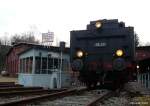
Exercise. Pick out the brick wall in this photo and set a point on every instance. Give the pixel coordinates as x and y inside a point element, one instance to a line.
<point>12,59</point>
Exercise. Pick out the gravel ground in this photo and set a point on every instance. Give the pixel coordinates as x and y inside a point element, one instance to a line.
<point>143,99</point>
<point>125,98</point>
<point>74,100</point>
<point>136,87</point>
<point>115,101</point>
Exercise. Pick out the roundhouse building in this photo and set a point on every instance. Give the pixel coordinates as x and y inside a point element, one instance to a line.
<point>12,58</point>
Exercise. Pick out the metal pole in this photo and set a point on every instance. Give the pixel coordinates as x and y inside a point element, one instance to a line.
<point>62,47</point>
<point>40,65</point>
<point>60,67</point>
<point>142,78</point>
<point>33,65</point>
<point>47,63</point>
<point>25,66</point>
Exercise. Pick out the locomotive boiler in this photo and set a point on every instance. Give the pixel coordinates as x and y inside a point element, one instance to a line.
<point>103,53</point>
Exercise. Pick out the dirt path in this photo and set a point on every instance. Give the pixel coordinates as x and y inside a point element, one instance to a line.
<point>8,79</point>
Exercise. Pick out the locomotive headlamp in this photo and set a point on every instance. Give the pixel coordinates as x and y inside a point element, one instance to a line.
<point>79,53</point>
<point>98,24</point>
<point>137,66</point>
<point>119,52</point>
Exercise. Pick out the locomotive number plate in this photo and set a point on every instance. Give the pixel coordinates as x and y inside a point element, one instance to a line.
<point>100,44</point>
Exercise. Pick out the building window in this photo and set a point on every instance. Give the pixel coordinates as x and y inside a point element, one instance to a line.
<point>27,65</point>
<point>65,65</point>
<point>37,65</point>
<point>44,65</point>
<point>50,63</point>
<point>56,63</point>
<point>21,66</point>
<point>30,64</point>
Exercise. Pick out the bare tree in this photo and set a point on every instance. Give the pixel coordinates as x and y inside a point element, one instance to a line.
<point>27,37</point>
<point>0,42</point>
<point>147,44</point>
<point>136,39</point>
<point>4,40</point>
<point>3,51</point>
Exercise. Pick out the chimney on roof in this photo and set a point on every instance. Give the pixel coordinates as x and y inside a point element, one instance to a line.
<point>62,46</point>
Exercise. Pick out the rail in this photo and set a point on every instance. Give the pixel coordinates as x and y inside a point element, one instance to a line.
<point>36,98</point>
<point>101,98</point>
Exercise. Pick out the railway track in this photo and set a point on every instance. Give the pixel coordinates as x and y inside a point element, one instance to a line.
<point>101,98</point>
<point>9,94</point>
<point>20,96</point>
<point>86,98</point>
<point>9,84</point>
<point>28,99</point>
<point>128,96</point>
<point>16,85</point>
<point>4,89</point>
<point>18,88</point>
<point>15,91</point>
<point>72,97</point>
<point>27,92</point>
<point>19,100</point>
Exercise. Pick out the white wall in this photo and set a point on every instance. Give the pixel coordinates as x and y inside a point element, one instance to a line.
<point>44,80</point>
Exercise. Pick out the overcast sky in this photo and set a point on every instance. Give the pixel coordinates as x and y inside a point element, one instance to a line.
<point>62,16</point>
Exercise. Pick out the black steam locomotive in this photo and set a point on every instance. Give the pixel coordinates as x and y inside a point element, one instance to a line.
<point>103,53</point>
